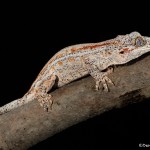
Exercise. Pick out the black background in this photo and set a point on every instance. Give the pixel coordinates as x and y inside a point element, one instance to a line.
<point>31,36</point>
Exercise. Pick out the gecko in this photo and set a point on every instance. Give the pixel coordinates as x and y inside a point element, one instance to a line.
<point>76,61</point>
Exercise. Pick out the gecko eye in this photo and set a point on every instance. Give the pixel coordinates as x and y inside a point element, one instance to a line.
<point>139,41</point>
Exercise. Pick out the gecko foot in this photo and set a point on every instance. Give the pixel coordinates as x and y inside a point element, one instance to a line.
<point>104,80</point>
<point>45,101</point>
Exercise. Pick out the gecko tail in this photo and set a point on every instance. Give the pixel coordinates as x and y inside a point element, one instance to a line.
<point>14,104</point>
<point>44,99</point>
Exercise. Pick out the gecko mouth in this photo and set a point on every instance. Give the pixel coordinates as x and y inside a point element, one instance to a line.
<point>140,51</point>
<point>143,49</point>
<point>147,39</point>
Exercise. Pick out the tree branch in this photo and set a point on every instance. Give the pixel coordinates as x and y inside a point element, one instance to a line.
<point>73,103</point>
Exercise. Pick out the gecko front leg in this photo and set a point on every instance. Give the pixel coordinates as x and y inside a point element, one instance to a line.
<point>101,77</point>
<point>92,66</point>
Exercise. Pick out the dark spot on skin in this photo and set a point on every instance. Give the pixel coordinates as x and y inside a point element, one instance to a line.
<point>122,52</point>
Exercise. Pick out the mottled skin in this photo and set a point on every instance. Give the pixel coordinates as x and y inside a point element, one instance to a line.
<point>76,61</point>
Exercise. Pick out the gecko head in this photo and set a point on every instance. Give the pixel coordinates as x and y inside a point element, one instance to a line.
<point>132,46</point>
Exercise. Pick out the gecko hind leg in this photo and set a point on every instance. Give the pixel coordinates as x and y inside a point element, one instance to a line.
<point>45,101</point>
<point>43,97</point>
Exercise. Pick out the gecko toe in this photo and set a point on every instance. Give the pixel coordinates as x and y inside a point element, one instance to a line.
<point>104,81</point>
<point>47,104</point>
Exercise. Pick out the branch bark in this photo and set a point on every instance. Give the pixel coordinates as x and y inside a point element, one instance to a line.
<point>73,103</point>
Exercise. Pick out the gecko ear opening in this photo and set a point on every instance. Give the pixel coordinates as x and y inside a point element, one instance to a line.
<point>139,41</point>
<point>121,52</point>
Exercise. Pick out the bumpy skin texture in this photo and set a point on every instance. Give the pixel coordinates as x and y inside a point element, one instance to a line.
<point>76,61</point>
